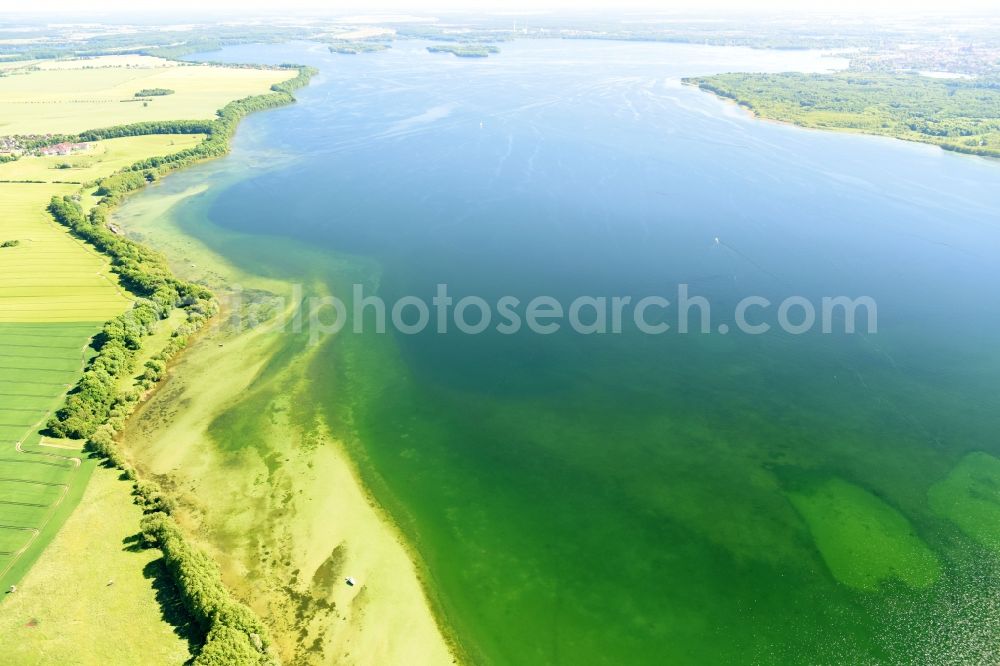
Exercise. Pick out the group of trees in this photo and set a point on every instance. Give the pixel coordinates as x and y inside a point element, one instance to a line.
<point>98,406</point>
<point>154,92</point>
<point>147,127</point>
<point>141,270</point>
<point>956,114</point>
<point>121,183</point>
<point>97,396</point>
<point>234,635</point>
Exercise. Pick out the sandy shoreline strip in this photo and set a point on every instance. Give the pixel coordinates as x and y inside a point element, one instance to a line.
<point>286,515</point>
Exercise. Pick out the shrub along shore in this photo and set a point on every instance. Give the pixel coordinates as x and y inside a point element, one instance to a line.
<point>97,408</point>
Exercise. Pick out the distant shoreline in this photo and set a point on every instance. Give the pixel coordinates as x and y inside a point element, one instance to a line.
<point>753,112</point>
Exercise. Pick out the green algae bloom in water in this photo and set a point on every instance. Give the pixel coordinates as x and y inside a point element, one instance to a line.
<point>863,540</point>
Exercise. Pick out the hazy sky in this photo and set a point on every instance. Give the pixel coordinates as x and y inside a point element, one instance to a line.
<point>473,6</point>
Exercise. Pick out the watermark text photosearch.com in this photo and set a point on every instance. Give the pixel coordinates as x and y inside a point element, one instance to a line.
<point>679,313</point>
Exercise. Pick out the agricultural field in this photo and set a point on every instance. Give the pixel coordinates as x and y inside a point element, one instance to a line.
<point>17,65</point>
<point>49,276</point>
<point>77,95</point>
<point>93,576</point>
<point>38,363</point>
<point>55,293</point>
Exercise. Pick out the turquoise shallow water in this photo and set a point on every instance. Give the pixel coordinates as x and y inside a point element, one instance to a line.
<point>700,498</point>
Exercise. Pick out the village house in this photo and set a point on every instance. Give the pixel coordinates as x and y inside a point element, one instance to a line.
<point>64,148</point>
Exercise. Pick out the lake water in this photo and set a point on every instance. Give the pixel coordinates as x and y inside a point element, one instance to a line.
<point>645,499</point>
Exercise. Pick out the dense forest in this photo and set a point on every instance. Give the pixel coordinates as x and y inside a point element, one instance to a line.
<point>956,114</point>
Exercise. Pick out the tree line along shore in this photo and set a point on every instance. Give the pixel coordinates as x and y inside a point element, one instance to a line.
<point>97,407</point>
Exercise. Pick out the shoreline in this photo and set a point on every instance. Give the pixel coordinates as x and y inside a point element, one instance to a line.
<point>374,522</point>
<point>752,113</point>
<point>397,582</point>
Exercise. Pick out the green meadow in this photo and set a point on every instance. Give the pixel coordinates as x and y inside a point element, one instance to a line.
<point>50,276</point>
<point>92,576</point>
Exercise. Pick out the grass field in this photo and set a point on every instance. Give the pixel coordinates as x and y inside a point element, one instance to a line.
<point>100,92</point>
<point>50,276</point>
<point>38,363</point>
<point>66,612</point>
<point>12,65</point>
